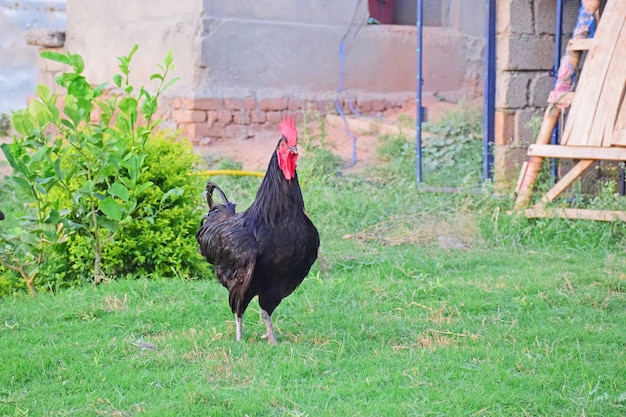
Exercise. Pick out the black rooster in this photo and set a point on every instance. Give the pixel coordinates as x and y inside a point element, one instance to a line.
<point>268,249</point>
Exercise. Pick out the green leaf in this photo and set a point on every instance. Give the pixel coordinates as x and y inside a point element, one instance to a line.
<point>143,187</point>
<point>130,206</point>
<point>8,153</point>
<point>111,208</point>
<point>169,84</point>
<point>67,78</point>
<point>128,106</point>
<point>169,58</point>
<point>149,107</point>
<point>86,106</point>
<point>117,79</point>
<point>97,92</point>
<point>56,56</point>
<point>132,52</point>
<point>80,88</point>
<point>76,61</point>
<point>20,162</point>
<point>118,190</point>
<point>44,92</point>
<point>67,123</point>
<point>172,194</point>
<point>132,169</point>
<point>87,188</point>
<point>22,123</point>
<point>40,116</point>
<point>23,184</point>
<point>39,155</point>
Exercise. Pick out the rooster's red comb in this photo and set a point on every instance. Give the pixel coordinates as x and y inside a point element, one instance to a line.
<point>288,130</point>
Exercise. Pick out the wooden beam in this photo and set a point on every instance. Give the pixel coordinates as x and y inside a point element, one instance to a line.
<point>578,152</point>
<point>583,44</point>
<point>580,214</point>
<point>567,180</point>
<point>592,83</point>
<point>525,185</point>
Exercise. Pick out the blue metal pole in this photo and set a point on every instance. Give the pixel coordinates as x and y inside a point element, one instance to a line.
<point>558,48</point>
<point>419,81</point>
<point>490,89</point>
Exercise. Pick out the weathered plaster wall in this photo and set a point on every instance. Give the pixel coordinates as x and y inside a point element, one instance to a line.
<point>244,63</point>
<point>107,29</point>
<point>264,48</point>
<point>18,61</point>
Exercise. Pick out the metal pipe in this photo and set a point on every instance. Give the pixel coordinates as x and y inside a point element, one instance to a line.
<point>490,89</point>
<point>419,81</point>
<point>558,52</point>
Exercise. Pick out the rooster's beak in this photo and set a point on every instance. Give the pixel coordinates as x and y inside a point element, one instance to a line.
<point>293,150</point>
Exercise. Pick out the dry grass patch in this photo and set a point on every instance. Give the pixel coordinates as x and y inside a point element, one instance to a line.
<point>113,304</point>
<point>459,232</point>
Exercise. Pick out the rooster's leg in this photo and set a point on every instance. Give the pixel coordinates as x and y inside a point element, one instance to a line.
<point>238,328</point>
<point>271,338</point>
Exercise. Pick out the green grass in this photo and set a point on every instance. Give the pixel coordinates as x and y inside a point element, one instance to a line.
<point>420,305</point>
<point>408,331</point>
<point>379,328</point>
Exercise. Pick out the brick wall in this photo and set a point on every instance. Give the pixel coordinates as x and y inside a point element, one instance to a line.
<point>206,119</point>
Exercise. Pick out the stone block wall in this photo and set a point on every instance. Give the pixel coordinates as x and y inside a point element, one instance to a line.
<point>525,52</point>
<point>524,57</point>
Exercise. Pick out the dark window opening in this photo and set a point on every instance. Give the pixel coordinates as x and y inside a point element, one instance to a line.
<point>404,12</point>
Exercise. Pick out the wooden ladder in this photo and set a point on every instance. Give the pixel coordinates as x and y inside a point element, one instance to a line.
<point>595,128</point>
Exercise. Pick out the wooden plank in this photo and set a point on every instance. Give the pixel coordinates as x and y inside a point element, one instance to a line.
<point>579,44</point>
<point>593,91</point>
<point>611,96</point>
<point>619,131</point>
<point>592,78</point>
<point>566,180</point>
<point>520,179</point>
<point>580,214</point>
<point>578,152</point>
<point>616,132</point>
<point>527,182</point>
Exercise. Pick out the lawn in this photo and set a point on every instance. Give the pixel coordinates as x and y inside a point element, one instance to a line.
<point>421,305</point>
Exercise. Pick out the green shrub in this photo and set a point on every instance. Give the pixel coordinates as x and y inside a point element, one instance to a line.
<point>110,190</point>
<point>160,240</point>
<point>452,151</point>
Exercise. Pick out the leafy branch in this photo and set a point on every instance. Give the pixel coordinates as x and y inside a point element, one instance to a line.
<point>81,176</point>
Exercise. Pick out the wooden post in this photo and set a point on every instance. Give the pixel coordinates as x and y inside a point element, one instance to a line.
<point>551,116</point>
<point>525,186</point>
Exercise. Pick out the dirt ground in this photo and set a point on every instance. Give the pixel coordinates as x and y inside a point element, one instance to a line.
<point>254,153</point>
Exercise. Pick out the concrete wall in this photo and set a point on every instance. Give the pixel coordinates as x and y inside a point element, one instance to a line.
<point>107,29</point>
<point>18,61</point>
<point>244,63</point>
<point>279,47</point>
